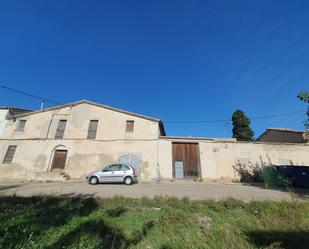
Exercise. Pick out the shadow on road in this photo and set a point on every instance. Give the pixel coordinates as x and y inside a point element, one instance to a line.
<point>8,187</point>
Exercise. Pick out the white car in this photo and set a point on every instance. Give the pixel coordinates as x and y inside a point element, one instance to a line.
<point>121,173</point>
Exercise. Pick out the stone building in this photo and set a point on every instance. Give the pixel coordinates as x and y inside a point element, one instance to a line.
<point>72,140</point>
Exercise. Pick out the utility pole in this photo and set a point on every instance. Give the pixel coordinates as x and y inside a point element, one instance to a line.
<point>224,128</point>
<point>42,105</point>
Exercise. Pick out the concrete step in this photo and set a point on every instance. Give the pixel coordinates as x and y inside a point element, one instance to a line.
<point>164,180</point>
<point>55,176</point>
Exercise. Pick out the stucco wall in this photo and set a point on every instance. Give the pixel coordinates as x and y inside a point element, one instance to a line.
<point>84,156</point>
<point>111,124</point>
<point>165,159</point>
<point>218,158</point>
<point>224,156</point>
<point>32,157</point>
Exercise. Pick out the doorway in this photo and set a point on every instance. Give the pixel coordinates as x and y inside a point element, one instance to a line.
<point>186,161</point>
<point>60,157</point>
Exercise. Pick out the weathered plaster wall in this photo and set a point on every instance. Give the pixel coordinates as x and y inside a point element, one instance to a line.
<point>165,159</point>
<point>218,158</point>
<point>111,124</point>
<point>223,156</point>
<point>84,156</point>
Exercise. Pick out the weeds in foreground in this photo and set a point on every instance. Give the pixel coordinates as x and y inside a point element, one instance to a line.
<point>51,222</point>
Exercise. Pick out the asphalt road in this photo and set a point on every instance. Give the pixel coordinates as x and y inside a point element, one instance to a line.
<point>192,190</point>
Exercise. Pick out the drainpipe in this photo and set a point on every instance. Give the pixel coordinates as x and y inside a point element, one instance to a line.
<point>158,157</point>
<point>51,120</point>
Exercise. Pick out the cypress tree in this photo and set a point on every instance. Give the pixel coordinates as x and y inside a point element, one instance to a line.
<point>241,126</point>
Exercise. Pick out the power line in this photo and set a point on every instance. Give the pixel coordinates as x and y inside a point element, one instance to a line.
<point>278,115</point>
<point>228,120</point>
<point>168,121</point>
<point>29,94</point>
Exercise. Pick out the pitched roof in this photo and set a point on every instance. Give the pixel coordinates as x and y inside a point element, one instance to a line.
<point>282,135</point>
<point>84,101</point>
<point>284,129</point>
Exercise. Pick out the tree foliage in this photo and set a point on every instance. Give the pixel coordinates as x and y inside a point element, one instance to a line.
<point>241,126</point>
<point>304,96</point>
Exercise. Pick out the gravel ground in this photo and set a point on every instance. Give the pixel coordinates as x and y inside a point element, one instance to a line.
<point>192,190</point>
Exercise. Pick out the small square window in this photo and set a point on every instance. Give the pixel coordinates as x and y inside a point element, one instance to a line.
<point>21,125</point>
<point>130,126</point>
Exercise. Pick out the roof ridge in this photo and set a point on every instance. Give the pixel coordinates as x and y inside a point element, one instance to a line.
<point>91,103</point>
<point>284,129</point>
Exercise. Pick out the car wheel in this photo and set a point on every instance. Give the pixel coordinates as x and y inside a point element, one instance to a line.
<point>93,180</point>
<point>128,180</point>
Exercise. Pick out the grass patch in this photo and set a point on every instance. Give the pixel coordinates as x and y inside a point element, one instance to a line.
<point>58,222</point>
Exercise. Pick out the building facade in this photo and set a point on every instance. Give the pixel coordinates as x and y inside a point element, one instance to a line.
<point>6,113</point>
<point>72,140</point>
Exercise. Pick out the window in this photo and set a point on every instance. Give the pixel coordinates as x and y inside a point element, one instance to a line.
<point>130,126</point>
<point>60,129</point>
<point>92,129</point>
<point>8,158</point>
<point>124,167</point>
<point>21,125</point>
<point>110,168</point>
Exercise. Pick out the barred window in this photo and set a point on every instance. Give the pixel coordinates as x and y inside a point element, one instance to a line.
<point>8,158</point>
<point>60,129</point>
<point>92,129</point>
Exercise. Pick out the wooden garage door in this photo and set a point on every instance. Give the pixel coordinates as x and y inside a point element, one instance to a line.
<point>60,157</point>
<point>188,154</point>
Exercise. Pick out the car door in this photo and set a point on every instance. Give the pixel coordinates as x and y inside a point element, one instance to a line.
<point>117,174</point>
<point>111,174</point>
<point>124,171</point>
<point>106,174</point>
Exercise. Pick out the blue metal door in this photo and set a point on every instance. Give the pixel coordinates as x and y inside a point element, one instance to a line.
<point>134,161</point>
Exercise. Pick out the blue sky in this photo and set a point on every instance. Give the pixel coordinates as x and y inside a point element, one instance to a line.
<point>175,60</point>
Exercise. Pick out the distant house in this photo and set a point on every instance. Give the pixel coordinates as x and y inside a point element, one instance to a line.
<point>7,113</point>
<point>283,135</point>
